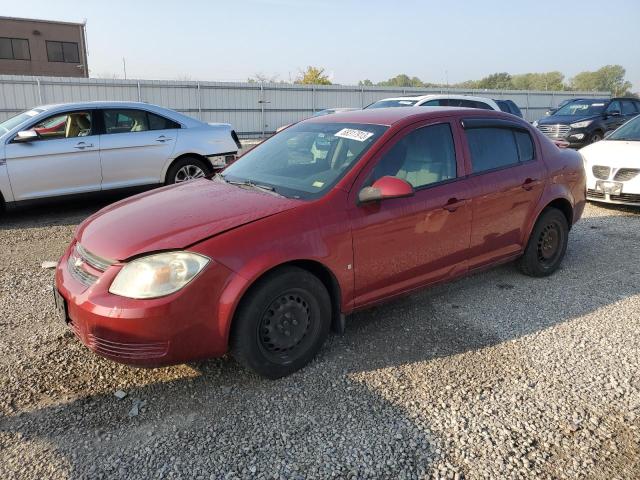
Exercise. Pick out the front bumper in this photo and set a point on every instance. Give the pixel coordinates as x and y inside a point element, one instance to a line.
<point>178,328</point>
<point>630,194</point>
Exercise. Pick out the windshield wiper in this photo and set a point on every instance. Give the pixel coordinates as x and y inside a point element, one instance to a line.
<point>252,184</point>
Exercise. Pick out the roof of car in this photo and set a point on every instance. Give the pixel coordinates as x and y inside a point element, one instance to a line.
<point>436,96</point>
<point>390,116</point>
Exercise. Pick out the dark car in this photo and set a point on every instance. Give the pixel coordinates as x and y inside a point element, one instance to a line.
<point>262,259</point>
<point>585,121</point>
<point>509,106</point>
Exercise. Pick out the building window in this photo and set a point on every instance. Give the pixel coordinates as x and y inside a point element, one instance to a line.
<point>14,49</point>
<point>63,52</point>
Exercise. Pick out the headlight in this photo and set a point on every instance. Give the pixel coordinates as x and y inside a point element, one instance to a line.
<point>157,275</point>
<point>535,123</point>
<point>586,123</point>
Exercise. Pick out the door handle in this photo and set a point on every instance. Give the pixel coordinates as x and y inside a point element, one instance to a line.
<point>162,138</point>
<point>529,183</point>
<point>453,204</point>
<point>83,145</point>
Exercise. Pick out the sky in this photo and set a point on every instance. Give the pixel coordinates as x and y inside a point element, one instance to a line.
<point>437,41</point>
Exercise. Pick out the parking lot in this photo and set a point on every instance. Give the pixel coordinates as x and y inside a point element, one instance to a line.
<point>495,376</point>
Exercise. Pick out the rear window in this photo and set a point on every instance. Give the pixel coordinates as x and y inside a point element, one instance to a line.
<point>496,147</point>
<point>392,103</point>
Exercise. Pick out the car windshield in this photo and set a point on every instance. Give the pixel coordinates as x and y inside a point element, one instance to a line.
<point>306,160</point>
<point>392,103</point>
<point>18,119</point>
<point>628,131</point>
<point>582,108</point>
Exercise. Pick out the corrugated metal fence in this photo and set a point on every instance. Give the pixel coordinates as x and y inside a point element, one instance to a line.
<point>254,109</point>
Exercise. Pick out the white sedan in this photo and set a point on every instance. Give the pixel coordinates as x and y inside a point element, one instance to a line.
<point>613,166</point>
<point>79,148</point>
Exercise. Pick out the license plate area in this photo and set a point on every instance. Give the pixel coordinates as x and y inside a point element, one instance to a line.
<point>61,306</point>
<point>610,188</point>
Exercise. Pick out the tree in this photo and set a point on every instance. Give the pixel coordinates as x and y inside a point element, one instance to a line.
<point>313,76</point>
<point>538,81</point>
<point>609,78</point>
<point>261,78</point>
<point>496,81</point>
<point>365,83</point>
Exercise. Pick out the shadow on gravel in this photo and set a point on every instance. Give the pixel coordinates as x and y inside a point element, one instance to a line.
<point>330,417</point>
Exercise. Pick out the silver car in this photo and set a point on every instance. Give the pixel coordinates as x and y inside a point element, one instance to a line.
<point>77,148</point>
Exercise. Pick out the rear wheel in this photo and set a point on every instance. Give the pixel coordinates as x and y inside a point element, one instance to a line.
<point>185,169</point>
<point>547,244</point>
<point>281,323</point>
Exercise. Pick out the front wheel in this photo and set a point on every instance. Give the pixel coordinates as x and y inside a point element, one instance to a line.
<point>547,244</point>
<point>596,137</point>
<point>281,323</point>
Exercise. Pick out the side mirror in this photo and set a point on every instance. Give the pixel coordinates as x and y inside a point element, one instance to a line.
<point>615,113</point>
<point>385,188</point>
<point>26,136</point>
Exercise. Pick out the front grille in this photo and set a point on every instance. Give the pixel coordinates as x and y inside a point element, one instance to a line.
<point>595,194</point>
<point>626,174</point>
<point>130,351</point>
<point>626,197</point>
<point>81,257</point>
<point>555,131</point>
<point>95,261</point>
<point>601,172</point>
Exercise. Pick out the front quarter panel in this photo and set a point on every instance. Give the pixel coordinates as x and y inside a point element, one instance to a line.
<point>5,186</point>
<point>316,231</point>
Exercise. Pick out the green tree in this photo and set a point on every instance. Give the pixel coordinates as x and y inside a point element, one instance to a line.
<point>402,80</point>
<point>365,83</point>
<point>313,76</point>
<point>496,81</point>
<point>538,81</point>
<point>609,78</point>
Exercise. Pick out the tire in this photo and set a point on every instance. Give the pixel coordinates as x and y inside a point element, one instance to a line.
<point>596,137</point>
<point>547,244</point>
<point>281,323</point>
<point>187,168</point>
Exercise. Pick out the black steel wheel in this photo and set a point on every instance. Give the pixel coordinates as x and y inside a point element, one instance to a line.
<point>547,244</point>
<point>281,323</point>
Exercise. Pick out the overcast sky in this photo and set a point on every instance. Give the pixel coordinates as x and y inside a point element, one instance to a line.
<point>351,39</point>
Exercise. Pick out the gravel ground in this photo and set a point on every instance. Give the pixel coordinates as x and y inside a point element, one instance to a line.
<point>494,376</point>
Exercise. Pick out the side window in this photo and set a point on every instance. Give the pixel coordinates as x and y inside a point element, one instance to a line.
<point>423,157</point>
<point>628,108</point>
<point>525,145</point>
<point>125,121</point>
<point>65,125</point>
<point>433,103</point>
<point>615,105</point>
<point>484,106</point>
<point>492,148</point>
<point>156,122</point>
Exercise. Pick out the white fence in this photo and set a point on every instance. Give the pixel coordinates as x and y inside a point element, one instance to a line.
<point>254,109</point>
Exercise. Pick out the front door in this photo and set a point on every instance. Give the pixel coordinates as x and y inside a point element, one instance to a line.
<point>135,147</point>
<point>401,244</point>
<point>64,159</point>
<point>509,179</point>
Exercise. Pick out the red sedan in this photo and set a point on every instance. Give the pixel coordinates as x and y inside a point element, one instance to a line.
<point>331,215</point>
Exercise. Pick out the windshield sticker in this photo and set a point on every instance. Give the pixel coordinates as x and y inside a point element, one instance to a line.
<point>597,104</point>
<point>353,134</point>
<point>318,184</point>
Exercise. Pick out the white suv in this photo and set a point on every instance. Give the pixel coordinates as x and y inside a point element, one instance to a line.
<point>437,100</point>
<point>78,148</point>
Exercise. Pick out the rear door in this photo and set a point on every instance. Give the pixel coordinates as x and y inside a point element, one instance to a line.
<point>135,147</point>
<point>403,243</point>
<point>63,160</point>
<point>508,174</point>
<point>628,109</point>
<point>613,121</point>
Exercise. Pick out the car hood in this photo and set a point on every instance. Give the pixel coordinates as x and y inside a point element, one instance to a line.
<point>175,217</point>
<point>564,119</point>
<point>613,153</point>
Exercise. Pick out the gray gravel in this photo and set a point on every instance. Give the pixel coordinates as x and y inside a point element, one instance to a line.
<point>494,376</point>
